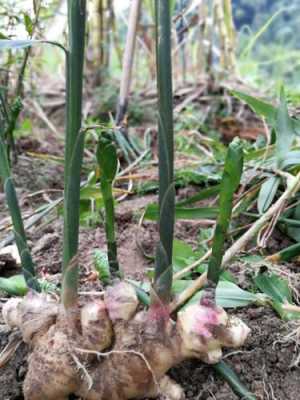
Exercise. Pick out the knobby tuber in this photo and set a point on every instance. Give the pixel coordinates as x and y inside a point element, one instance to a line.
<point>110,350</point>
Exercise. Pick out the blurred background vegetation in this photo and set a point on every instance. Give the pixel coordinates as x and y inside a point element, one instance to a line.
<point>267,44</point>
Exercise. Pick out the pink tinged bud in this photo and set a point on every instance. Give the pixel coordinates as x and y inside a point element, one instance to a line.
<point>159,312</point>
<point>206,317</point>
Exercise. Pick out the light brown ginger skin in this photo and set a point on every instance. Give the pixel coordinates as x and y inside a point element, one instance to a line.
<point>142,346</point>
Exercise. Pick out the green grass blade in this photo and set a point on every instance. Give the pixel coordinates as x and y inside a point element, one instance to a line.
<point>230,181</point>
<point>260,32</point>
<point>204,194</point>
<point>152,212</point>
<point>163,271</point>
<point>74,143</point>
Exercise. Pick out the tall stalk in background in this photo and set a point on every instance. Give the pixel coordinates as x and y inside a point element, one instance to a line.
<point>163,270</point>
<point>128,58</point>
<point>16,105</point>
<point>230,28</point>
<point>224,22</point>
<point>74,143</point>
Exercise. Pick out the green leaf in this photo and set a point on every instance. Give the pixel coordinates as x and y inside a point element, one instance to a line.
<point>91,192</point>
<point>229,295</point>
<point>102,266</point>
<point>267,193</point>
<point>274,286</point>
<point>183,255</point>
<point>259,106</point>
<point>151,212</point>
<point>260,32</point>
<point>232,173</point>
<point>202,195</point>
<point>107,158</point>
<point>28,24</point>
<point>284,130</point>
<point>267,111</point>
<point>23,44</point>
<point>180,285</point>
<point>278,290</point>
<point>17,44</point>
<point>14,286</point>
<point>291,159</point>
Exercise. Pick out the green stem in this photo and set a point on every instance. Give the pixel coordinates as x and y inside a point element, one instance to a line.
<point>163,271</point>
<point>106,188</point>
<point>230,181</point>
<point>17,222</point>
<point>74,143</point>
<point>108,163</point>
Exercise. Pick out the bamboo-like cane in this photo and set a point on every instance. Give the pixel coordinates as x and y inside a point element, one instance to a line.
<point>74,144</point>
<point>163,268</point>
<point>128,60</point>
<point>225,26</point>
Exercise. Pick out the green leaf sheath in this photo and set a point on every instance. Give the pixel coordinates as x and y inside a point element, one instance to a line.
<point>108,163</point>
<point>233,169</point>
<point>233,380</point>
<point>74,143</point>
<point>163,270</point>
<point>17,222</point>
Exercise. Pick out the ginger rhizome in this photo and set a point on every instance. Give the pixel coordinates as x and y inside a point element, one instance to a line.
<point>111,348</point>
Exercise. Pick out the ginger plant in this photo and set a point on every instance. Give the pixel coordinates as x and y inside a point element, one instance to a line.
<point>112,347</point>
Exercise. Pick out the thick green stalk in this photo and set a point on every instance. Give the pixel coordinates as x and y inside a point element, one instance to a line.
<point>74,143</point>
<point>163,270</point>
<point>17,222</point>
<point>233,169</point>
<point>108,163</point>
